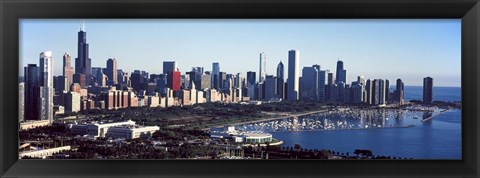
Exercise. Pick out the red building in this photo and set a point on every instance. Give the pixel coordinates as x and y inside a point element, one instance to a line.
<point>173,80</point>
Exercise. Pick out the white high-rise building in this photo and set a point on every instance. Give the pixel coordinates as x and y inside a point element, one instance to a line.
<point>46,86</point>
<point>293,75</point>
<point>263,69</point>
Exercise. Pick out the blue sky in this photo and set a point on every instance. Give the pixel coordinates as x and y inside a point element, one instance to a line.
<point>387,49</point>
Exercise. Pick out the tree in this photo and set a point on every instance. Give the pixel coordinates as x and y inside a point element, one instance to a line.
<point>297,147</point>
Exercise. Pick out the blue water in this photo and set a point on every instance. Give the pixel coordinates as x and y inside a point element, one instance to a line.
<point>439,93</point>
<point>437,138</point>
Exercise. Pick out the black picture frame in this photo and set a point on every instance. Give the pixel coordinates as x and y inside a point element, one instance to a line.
<point>11,11</point>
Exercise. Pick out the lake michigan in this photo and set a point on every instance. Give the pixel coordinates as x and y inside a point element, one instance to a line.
<point>437,138</point>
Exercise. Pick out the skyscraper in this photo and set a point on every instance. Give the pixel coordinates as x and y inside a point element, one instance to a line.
<point>387,90</point>
<point>399,91</point>
<point>61,84</point>
<point>293,75</point>
<point>46,86</point>
<point>330,89</point>
<point>32,108</point>
<point>280,80</point>
<point>383,92</point>
<point>83,64</point>
<point>369,91</point>
<point>427,90</point>
<point>357,89</point>
<point>309,83</point>
<point>322,78</point>
<point>112,71</point>
<point>216,75</point>
<point>173,80</point>
<point>270,87</point>
<point>341,75</point>
<point>262,71</point>
<point>67,68</point>
<point>251,80</point>
<point>169,66</point>
<point>205,81</point>
<point>376,92</point>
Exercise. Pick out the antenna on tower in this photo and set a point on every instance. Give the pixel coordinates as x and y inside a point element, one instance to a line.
<point>82,27</point>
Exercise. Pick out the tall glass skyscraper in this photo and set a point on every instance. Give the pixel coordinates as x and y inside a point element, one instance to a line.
<point>46,86</point>
<point>112,71</point>
<point>399,91</point>
<point>263,68</point>
<point>427,90</point>
<point>169,66</point>
<point>216,75</point>
<point>341,75</point>
<point>67,68</point>
<point>280,81</point>
<point>293,75</point>
<point>83,64</point>
<point>31,92</point>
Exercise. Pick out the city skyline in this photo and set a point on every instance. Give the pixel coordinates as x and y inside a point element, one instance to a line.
<point>434,69</point>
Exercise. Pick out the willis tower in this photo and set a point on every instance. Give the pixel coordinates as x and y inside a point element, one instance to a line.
<point>83,64</point>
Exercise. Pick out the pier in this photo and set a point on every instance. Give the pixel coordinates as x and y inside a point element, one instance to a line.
<point>441,112</point>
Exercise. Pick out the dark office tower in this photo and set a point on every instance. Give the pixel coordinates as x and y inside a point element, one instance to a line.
<point>270,85</point>
<point>216,75</point>
<point>67,68</point>
<point>309,83</point>
<point>112,71</point>
<point>173,80</point>
<point>330,88</point>
<point>293,75</point>
<point>169,66</point>
<point>61,84</point>
<point>322,77</point>
<point>331,79</point>
<point>120,76</point>
<point>154,77</point>
<point>137,80</point>
<point>369,91</point>
<point>198,70</point>
<point>251,80</point>
<point>32,92</point>
<point>341,73</point>
<point>340,95</point>
<point>399,91</point>
<point>376,92</point>
<point>161,84</point>
<point>80,79</point>
<point>280,81</point>
<point>383,94</point>
<point>427,90</point>
<point>83,64</point>
<point>387,90</point>
<point>222,77</point>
